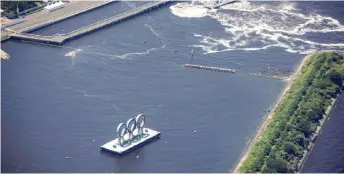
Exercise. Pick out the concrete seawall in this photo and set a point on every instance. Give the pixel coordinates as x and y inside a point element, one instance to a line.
<point>51,22</point>
<point>317,133</point>
<point>61,38</point>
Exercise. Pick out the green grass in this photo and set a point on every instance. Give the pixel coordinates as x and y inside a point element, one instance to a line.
<point>4,37</point>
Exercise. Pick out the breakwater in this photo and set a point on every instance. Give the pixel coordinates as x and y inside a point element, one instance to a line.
<point>273,73</point>
<point>61,38</point>
<point>210,68</point>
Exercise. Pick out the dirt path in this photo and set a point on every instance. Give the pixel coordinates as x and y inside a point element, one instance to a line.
<point>269,117</point>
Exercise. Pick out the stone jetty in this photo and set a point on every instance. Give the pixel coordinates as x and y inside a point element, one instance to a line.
<point>273,73</point>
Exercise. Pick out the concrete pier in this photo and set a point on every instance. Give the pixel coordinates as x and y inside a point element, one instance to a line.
<point>210,68</point>
<point>114,147</point>
<point>61,38</point>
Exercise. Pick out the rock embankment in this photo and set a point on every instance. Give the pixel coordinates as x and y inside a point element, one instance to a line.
<point>273,73</point>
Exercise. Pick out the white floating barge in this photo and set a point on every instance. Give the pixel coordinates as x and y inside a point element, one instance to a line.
<point>114,147</point>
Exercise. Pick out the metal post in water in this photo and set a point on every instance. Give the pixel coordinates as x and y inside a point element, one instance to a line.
<point>192,54</point>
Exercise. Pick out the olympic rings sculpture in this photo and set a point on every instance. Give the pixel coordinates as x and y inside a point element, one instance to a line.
<point>131,125</point>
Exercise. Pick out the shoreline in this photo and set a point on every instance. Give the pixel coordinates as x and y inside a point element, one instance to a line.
<point>270,115</point>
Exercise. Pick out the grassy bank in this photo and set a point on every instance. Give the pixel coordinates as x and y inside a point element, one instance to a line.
<point>286,139</point>
<point>4,37</point>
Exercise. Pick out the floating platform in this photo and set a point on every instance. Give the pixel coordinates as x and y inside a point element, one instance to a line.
<point>211,68</point>
<point>148,136</point>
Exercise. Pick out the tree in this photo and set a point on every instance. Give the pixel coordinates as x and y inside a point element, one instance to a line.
<point>278,165</point>
<point>314,115</point>
<point>305,127</point>
<point>300,139</point>
<point>268,170</point>
<point>289,148</point>
<point>335,77</point>
<point>12,7</point>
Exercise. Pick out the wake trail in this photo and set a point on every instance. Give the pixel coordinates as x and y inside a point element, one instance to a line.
<point>85,94</point>
<point>148,51</point>
<point>75,51</point>
<point>131,5</point>
<point>157,35</point>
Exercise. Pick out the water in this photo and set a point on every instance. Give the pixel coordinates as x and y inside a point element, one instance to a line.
<point>328,153</point>
<point>56,101</point>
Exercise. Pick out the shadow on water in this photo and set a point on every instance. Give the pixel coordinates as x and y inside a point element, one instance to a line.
<point>130,161</point>
<point>125,163</point>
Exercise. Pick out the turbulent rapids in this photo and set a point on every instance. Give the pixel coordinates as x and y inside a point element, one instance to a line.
<point>251,26</point>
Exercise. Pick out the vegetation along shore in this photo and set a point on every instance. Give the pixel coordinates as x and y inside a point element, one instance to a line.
<point>289,131</point>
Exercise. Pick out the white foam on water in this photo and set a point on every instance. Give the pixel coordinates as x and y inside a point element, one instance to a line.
<point>72,53</point>
<point>251,27</point>
<point>126,55</point>
<point>86,94</point>
<point>152,30</point>
<point>163,45</point>
<point>87,49</point>
<point>188,10</point>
